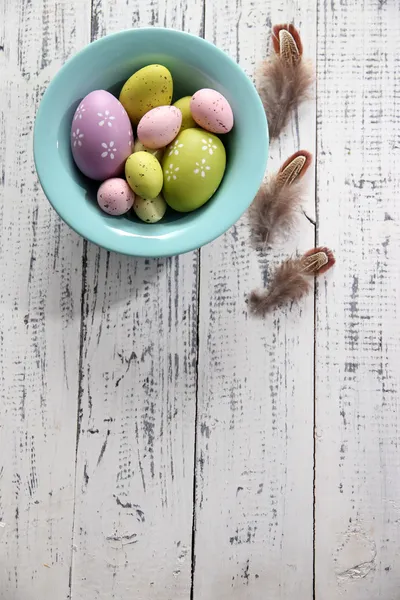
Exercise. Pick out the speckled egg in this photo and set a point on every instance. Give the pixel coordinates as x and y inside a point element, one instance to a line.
<point>115,197</point>
<point>139,147</point>
<point>212,111</point>
<point>101,136</point>
<point>150,211</point>
<point>147,88</point>
<point>159,126</point>
<point>144,175</point>
<point>193,167</point>
<point>184,106</point>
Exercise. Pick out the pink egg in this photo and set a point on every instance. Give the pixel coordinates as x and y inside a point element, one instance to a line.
<point>115,197</point>
<point>212,111</point>
<point>101,136</point>
<point>158,127</point>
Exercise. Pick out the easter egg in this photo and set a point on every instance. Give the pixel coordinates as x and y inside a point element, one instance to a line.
<point>158,127</point>
<point>144,174</point>
<point>115,197</point>
<point>101,136</point>
<point>138,147</point>
<point>184,106</point>
<point>150,211</point>
<point>212,111</point>
<point>147,88</point>
<point>193,167</point>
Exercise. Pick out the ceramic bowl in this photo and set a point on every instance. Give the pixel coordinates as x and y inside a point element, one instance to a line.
<point>106,64</point>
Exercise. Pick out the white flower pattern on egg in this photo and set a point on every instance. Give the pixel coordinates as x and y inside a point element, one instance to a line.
<point>79,113</point>
<point>208,146</point>
<point>202,168</point>
<point>106,118</point>
<point>175,148</point>
<point>110,150</point>
<point>77,137</point>
<point>171,172</point>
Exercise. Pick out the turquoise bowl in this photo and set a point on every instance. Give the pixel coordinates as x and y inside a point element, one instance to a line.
<point>107,64</point>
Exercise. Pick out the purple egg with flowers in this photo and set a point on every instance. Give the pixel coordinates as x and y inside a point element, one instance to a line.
<point>101,136</point>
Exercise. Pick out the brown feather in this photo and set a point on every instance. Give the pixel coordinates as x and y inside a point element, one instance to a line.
<point>284,78</point>
<point>318,260</point>
<point>273,212</point>
<point>296,173</point>
<point>293,32</point>
<point>288,284</point>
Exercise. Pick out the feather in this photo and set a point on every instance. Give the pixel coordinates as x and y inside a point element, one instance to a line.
<point>274,209</point>
<point>288,284</point>
<point>317,261</point>
<point>291,280</point>
<point>285,78</point>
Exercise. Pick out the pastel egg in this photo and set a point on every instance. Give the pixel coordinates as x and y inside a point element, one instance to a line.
<point>147,88</point>
<point>139,147</point>
<point>212,111</point>
<point>101,136</point>
<point>144,175</point>
<point>184,106</point>
<point>115,197</point>
<point>193,167</point>
<point>158,127</point>
<point>150,211</point>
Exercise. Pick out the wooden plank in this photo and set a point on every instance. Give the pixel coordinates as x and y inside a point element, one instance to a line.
<point>40,287</point>
<point>254,478</point>
<point>133,525</point>
<point>358,330</point>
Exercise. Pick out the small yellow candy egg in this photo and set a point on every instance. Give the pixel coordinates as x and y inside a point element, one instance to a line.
<point>144,174</point>
<point>150,211</point>
<point>184,106</point>
<point>147,88</point>
<point>138,147</point>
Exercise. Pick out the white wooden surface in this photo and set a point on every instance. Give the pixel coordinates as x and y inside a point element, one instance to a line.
<point>358,319</point>
<point>40,287</point>
<point>254,477</point>
<point>135,453</point>
<point>156,442</point>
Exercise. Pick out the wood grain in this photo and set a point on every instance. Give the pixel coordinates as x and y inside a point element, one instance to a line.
<point>121,344</point>
<point>134,502</point>
<point>254,468</point>
<point>358,326</point>
<point>40,288</point>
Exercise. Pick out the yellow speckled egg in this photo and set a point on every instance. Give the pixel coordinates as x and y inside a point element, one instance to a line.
<point>147,88</point>
<point>138,147</point>
<point>144,174</point>
<point>150,211</point>
<point>184,106</point>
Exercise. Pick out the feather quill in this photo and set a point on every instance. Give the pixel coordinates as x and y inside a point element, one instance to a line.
<point>291,280</point>
<point>274,209</point>
<point>284,79</point>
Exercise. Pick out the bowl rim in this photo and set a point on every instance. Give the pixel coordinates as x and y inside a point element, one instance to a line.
<point>216,228</point>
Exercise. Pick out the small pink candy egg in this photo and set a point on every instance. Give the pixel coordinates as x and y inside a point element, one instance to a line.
<point>212,111</point>
<point>158,127</point>
<point>115,197</point>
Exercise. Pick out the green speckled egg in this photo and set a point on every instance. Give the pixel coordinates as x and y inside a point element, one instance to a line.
<point>193,167</point>
<point>150,211</point>
<point>184,106</point>
<point>138,147</point>
<point>144,174</point>
<point>147,88</point>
